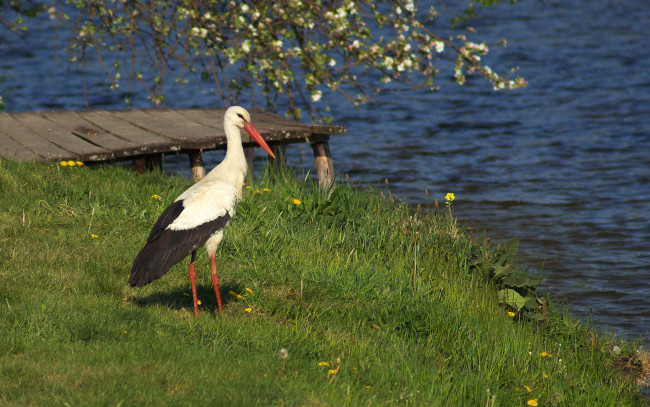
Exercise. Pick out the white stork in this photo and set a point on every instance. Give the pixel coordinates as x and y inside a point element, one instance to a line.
<point>198,216</point>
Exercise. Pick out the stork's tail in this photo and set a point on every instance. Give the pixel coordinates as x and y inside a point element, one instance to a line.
<point>151,264</point>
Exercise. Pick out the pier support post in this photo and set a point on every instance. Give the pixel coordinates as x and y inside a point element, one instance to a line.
<point>324,164</point>
<point>197,165</point>
<point>280,161</point>
<point>249,153</point>
<point>151,162</point>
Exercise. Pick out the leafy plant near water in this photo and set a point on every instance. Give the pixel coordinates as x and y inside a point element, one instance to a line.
<point>517,288</point>
<point>348,299</point>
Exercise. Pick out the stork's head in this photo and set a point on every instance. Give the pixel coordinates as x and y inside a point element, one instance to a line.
<point>240,117</point>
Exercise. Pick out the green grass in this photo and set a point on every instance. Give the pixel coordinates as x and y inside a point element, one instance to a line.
<point>401,305</point>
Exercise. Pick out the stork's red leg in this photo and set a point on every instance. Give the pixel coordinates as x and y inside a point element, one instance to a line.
<point>193,283</point>
<point>215,281</point>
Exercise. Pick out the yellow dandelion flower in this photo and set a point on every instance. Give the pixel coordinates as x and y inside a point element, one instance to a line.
<point>71,163</point>
<point>333,371</point>
<point>323,364</point>
<point>257,191</point>
<point>296,201</point>
<point>64,163</point>
<point>511,314</point>
<point>527,389</point>
<point>124,332</point>
<point>249,290</point>
<point>544,376</point>
<point>368,386</point>
<point>234,294</point>
<point>155,196</point>
<point>198,302</point>
<point>532,402</point>
<point>545,354</point>
<point>248,309</point>
<point>94,236</point>
<point>248,187</point>
<point>449,197</point>
<point>266,190</point>
<point>80,163</point>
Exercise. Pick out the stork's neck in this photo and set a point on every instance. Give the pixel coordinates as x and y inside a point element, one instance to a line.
<point>234,150</point>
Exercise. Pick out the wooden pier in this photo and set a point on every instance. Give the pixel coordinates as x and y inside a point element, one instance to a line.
<point>145,135</point>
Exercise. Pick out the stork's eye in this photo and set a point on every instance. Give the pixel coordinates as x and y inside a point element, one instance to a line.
<point>240,116</point>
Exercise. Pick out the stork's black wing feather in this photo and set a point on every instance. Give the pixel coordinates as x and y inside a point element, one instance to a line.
<point>166,247</point>
<point>165,219</point>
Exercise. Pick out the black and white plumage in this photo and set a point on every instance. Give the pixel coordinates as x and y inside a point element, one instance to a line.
<point>199,215</point>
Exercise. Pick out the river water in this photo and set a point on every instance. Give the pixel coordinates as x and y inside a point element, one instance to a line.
<point>563,164</point>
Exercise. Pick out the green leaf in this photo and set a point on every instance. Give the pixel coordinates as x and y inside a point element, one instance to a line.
<point>519,280</point>
<point>532,303</point>
<point>536,317</point>
<point>510,248</point>
<point>512,298</point>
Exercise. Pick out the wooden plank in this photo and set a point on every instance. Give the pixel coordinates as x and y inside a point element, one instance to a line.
<point>271,118</point>
<point>31,140</point>
<point>80,127</point>
<point>147,141</point>
<point>274,119</point>
<point>82,149</point>
<point>12,150</point>
<point>190,135</point>
<point>196,131</point>
<point>287,131</point>
<point>210,117</point>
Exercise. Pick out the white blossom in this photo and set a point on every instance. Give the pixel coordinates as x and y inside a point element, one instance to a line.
<point>316,95</point>
<point>199,32</point>
<point>440,46</point>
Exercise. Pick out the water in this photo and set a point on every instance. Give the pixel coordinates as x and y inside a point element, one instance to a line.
<point>563,164</point>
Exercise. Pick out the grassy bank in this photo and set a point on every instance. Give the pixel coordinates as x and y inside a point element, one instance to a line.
<point>350,300</point>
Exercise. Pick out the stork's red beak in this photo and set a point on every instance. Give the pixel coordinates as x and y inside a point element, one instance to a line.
<point>252,131</point>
